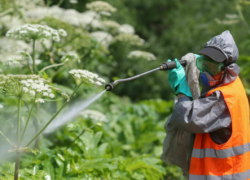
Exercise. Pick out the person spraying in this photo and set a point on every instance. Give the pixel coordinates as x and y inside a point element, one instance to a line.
<point>218,121</point>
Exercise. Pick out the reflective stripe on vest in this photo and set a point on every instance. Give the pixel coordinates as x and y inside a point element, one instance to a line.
<point>236,176</point>
<point>223,153</point>
<point>230,160</point>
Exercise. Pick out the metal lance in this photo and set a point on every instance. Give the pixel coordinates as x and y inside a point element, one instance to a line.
<point>163,67</point>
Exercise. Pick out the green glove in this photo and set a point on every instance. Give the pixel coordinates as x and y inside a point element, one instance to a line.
<point>177,80</point>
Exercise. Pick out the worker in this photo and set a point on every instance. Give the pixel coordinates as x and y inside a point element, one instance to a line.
<point>219,119</point>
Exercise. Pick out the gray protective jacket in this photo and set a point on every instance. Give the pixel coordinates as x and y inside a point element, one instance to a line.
<point>209,114</point>
<point>206,114</point>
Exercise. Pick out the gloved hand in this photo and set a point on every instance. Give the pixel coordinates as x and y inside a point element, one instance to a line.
<point>177,80</point>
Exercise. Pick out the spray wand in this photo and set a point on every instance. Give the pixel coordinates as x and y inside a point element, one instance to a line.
<point>163,67</point>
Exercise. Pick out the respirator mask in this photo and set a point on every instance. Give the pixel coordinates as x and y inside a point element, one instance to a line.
<point>208,68</point>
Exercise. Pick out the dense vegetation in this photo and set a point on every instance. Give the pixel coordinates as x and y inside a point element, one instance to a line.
<point>120,135</point>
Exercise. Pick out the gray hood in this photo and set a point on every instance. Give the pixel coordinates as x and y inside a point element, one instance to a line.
<point>225,43</point>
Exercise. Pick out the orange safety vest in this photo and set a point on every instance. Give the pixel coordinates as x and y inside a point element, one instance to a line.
<point>231,160</point>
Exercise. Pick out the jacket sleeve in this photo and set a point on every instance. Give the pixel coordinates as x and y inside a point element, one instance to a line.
<point>203,115</point>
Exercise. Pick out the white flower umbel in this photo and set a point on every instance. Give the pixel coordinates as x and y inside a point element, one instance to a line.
<point>26,86</point>
<point>73,1</point>
<point>142,54</point>
<point>42,12</point>
<point>25,55</point>
<point>9,21</point>
<point>90,18</point>
<point>21,59</point>
<point>102,37</point>
<point>45,94</point>
<point>32,93</point>
<point>25,89</point>
<point>98,6</point>
<point>227,22</point>
<point>94,115</point>
<point>37,87</point>
<point>105,13</point>
<point>13,84</point>
<point>127,29</point>
<point>71,16</point>
<point>33,31</point>
<point>62,32</point>
<point>35,14</point>
<point>232,16</point>
<point>13,61</point>
<point>131,39</point>
<point>111,26</point>
<point>1,106</point>
<point>25,5</point>
<point>37,61</point>
<point>39,100</point>
<point>43,45</point>
<point>8,45</point>
<point>70,57</point>
<point>51,95</point>
<point>87,76</point>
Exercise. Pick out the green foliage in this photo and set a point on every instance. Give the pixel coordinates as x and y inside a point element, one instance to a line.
<point>129,145</point>
<point>34,173</point>
<point>244,62</point>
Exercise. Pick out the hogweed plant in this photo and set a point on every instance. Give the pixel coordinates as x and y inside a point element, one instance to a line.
<point>70,57</point>
<point>23,86</point>
<point>33,32</point>
<point>86,76</point>
<point>36,89</point>
<point>141,54</point>
<point>21,59</point>
<point>33,88</point>
<point>101,7</point>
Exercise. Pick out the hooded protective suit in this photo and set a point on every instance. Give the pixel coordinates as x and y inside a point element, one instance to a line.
<point>210,114</point>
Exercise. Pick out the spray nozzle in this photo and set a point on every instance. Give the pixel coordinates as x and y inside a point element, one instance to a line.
<point>109,86</point>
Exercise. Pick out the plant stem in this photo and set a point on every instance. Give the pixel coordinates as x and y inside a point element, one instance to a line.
<point>27,120</point>
<point>58,71</point>
<point>6,12</point>
<point>16,8</point>
<point>53,65</point>
<point>11,143</point>
<point>83,131</point>
<point>18,140</point>
<point>36,124</point>
<point>25,104</point>
<point>33,56</point>
<point>18,122</point>
<point>17,165</point>
<point>60,2</point>
<point>54,115</point>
